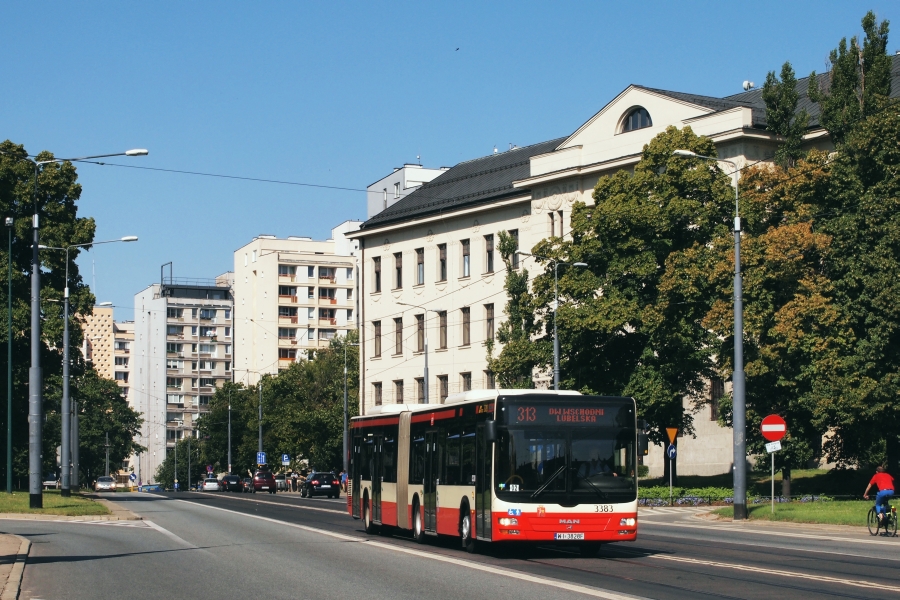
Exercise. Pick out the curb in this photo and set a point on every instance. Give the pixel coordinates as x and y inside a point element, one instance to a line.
<point>14,582</point>
<point>824,527</point>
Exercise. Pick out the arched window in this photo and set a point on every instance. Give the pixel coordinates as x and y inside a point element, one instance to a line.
<point>637,119</point>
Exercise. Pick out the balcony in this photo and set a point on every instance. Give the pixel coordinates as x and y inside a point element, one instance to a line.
<point>292,341</point>
<point>287,320</point>
<point>287,299</point>
<point>287,278</point>
<point>326,301</point>
<point>327,321</point>
<point>174,336</point>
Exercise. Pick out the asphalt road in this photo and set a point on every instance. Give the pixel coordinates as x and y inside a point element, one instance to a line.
<point>234,546</point>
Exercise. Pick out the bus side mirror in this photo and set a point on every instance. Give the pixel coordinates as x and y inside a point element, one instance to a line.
<point>490,431</point>
<point>643,443</point>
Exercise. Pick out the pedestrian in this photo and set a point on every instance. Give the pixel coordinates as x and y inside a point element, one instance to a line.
<point>294,481</point>
<point>343,481</point>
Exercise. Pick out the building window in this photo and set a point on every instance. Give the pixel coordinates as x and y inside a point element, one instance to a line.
<point>489,380</point>
<point>420,266</point>
<point>442,329</point>
<point>420,333</point>
<point>377,326</point>
<point>287,333</point>
<point>514,234</point>
<point>398,335</point>
<point>287,354</point>
<point>173,364</point>
<point>349,274</point>
<point>397,190</point>
<point>384,197</point>
<point>420,390</point>
<point>465,381</point>
<point>716,391</point>
<point>377,388</point>
<point>442,262</point>
<point>349,295</point>
<point>376,263</point>
<point>552,216</point>
<point>122,376</point>
<point>121,361</point>
<point>443,387</point>
<point>173,382</point>
<point>174,313</point>
<point>489,253</point>
<point>637,119</point>
<point>466,266</point>
<point>311,293</point>
<point>398,270</point>
<point>349,314</point>
<point>488,321</point>
<point>227,314</point>
<point>466,325</point>
<point>398,391</point>
<point>254,256</point>
<point>310,272</point>
<point>287,270</point>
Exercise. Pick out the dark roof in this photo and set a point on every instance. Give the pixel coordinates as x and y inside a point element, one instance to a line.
<point>469,183</point>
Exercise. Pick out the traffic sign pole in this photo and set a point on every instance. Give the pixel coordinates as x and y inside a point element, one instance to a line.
<point>773,429</point>
<point>773,483</point>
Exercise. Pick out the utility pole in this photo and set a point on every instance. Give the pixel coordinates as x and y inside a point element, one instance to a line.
<point>107,454</point>
<point>176,460</point>
<point>9,225</point>
<point>189,463</point>
<point>260,413</point>
<point>229,431</point>
<point>75,444</point>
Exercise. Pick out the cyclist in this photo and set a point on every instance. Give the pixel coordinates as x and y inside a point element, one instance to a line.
<point>885,484</point>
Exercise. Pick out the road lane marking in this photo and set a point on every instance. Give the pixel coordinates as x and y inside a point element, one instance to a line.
<point>793,574</point>
<point>301,506</point>
<point>809,536</point>
<point>168,533</point>
<point>571,587</point>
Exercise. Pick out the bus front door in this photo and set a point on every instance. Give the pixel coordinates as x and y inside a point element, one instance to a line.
<point>377,460</point>
<point>355,468</point>
<point>483,467</point>
<point>431,479</point>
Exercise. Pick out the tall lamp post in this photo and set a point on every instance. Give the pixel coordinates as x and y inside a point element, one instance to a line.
<point>66,443</point>
<point>739,419</point>
<point>346,433</point>
<point>35,375</point>
<point>556,264</point>
<point>9,227</point>
<point>425,326</point>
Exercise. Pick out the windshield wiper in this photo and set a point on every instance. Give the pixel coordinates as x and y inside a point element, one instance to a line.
<point>541,489</point>
<point>603,495</point>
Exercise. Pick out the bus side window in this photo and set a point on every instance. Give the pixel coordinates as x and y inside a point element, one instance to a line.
<point>417,456</point>
<point>451,457</point>
<point>365,459</point>
<point>389,459</point>
<point>468,455</point>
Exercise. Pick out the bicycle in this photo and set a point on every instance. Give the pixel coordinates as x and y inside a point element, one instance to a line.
<point>888,526</point>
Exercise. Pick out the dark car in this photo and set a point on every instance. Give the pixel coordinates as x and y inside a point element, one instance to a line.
<point>247,484</point>
<point>264,481</point>
<point>326,483</point>
<point>232,483</point>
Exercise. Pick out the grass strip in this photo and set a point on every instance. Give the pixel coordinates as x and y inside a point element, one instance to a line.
<point>54,504</point>
<point>838,512</point>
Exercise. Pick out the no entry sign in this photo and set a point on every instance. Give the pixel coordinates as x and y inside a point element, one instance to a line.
<point>773,428</point>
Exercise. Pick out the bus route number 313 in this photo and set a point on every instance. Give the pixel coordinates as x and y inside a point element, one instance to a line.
<point>526,414</point>
<point>603,508</point>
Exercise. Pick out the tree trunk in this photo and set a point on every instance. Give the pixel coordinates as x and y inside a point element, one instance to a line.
<point>892,452</point>
<point>786,483</point>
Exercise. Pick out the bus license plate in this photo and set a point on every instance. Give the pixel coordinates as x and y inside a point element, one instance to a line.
<point>568,536</point>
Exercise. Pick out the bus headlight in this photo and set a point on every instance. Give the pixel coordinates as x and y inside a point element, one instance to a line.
<point>627,522</point>
<point>508,521</point>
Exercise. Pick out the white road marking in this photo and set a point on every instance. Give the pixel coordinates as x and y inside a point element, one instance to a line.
<point>301,506</point>
<point>168,533</point>
<point>793,574</point>
<point>571,587</point>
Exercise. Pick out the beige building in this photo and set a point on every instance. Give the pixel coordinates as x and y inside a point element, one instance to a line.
<point>97,344</point>
<point>183,347</point>
<point>436,249</point>
<point>292,295</point>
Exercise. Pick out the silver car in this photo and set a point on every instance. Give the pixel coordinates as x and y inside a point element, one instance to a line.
<point>105,484</point>
<point>211,485</point>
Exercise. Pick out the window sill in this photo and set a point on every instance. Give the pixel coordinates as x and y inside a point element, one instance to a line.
<point>378,293</point>
<point>441,349</point>
<point>398,355</point>
<point>418,285</point>
<point>398,289</point>
<point>465,346</point>
<point>465,277</point>
<point>375,357</point>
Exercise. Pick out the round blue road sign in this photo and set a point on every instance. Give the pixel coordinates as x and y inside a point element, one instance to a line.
<point>671,452</point>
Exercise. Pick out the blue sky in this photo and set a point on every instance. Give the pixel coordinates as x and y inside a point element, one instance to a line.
<point>338,95</point>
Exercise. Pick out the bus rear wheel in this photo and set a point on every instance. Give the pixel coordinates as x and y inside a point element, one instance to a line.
<point>370,527</point>
<point>465,531</point>
<point>418,530</point>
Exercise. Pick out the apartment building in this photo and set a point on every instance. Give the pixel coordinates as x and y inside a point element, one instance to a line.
<point>292,295</point>
<point>389,190</point>
<point>430,269</point>
<point>183,347</point>
<point>97,342</point>
<point>123,340</point>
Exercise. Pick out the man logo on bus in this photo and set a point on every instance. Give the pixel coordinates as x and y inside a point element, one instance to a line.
<point>569,521</point>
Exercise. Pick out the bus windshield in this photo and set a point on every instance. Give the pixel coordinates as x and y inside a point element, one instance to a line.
<point>566,452</point>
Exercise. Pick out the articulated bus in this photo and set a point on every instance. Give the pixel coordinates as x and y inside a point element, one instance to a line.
<point>499,466</point>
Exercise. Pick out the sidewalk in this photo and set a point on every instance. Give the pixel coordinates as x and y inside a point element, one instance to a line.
<point>13,553</point>
<point>750,524</point>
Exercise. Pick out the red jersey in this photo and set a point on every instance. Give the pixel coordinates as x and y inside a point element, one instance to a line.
<point>883,481</point>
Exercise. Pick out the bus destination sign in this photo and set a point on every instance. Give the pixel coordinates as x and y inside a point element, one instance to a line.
<point>539,413</point>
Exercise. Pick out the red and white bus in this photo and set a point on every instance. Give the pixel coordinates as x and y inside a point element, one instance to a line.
<point>499,466</point>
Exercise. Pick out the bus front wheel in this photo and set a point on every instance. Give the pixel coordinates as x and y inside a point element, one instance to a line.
<point>370,527</point>
<point>465,531</point>
<point>418,529</point>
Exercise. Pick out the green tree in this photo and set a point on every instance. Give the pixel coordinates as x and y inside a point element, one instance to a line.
<point>57,196</point>
<point>782,117</point>
<point>858,81</point>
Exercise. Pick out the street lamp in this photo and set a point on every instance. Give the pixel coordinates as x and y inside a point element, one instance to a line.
<point>9,226</point>
<point>556,264</point>
<point>739,419</point>
<point>35,375</point>
<point>425,326</point>
<point>66,443</point>
<point>346,465</point>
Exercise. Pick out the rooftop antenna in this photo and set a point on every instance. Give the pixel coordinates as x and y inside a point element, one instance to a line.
<point>419,159</point>
<point>495,149</point>
<point>749,85</point>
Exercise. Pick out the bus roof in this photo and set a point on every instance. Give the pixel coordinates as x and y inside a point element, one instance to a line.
<point>471,396</point>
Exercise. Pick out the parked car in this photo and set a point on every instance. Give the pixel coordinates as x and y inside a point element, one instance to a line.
<point>211,484</point>
<point>248,485</point>
<point>281,482</point>
<point>152,487</point>
<point>232,483</point>
<point>264,481</point>
<point>50,480</point>
<point>105,484</point>
<point>321,483</point>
